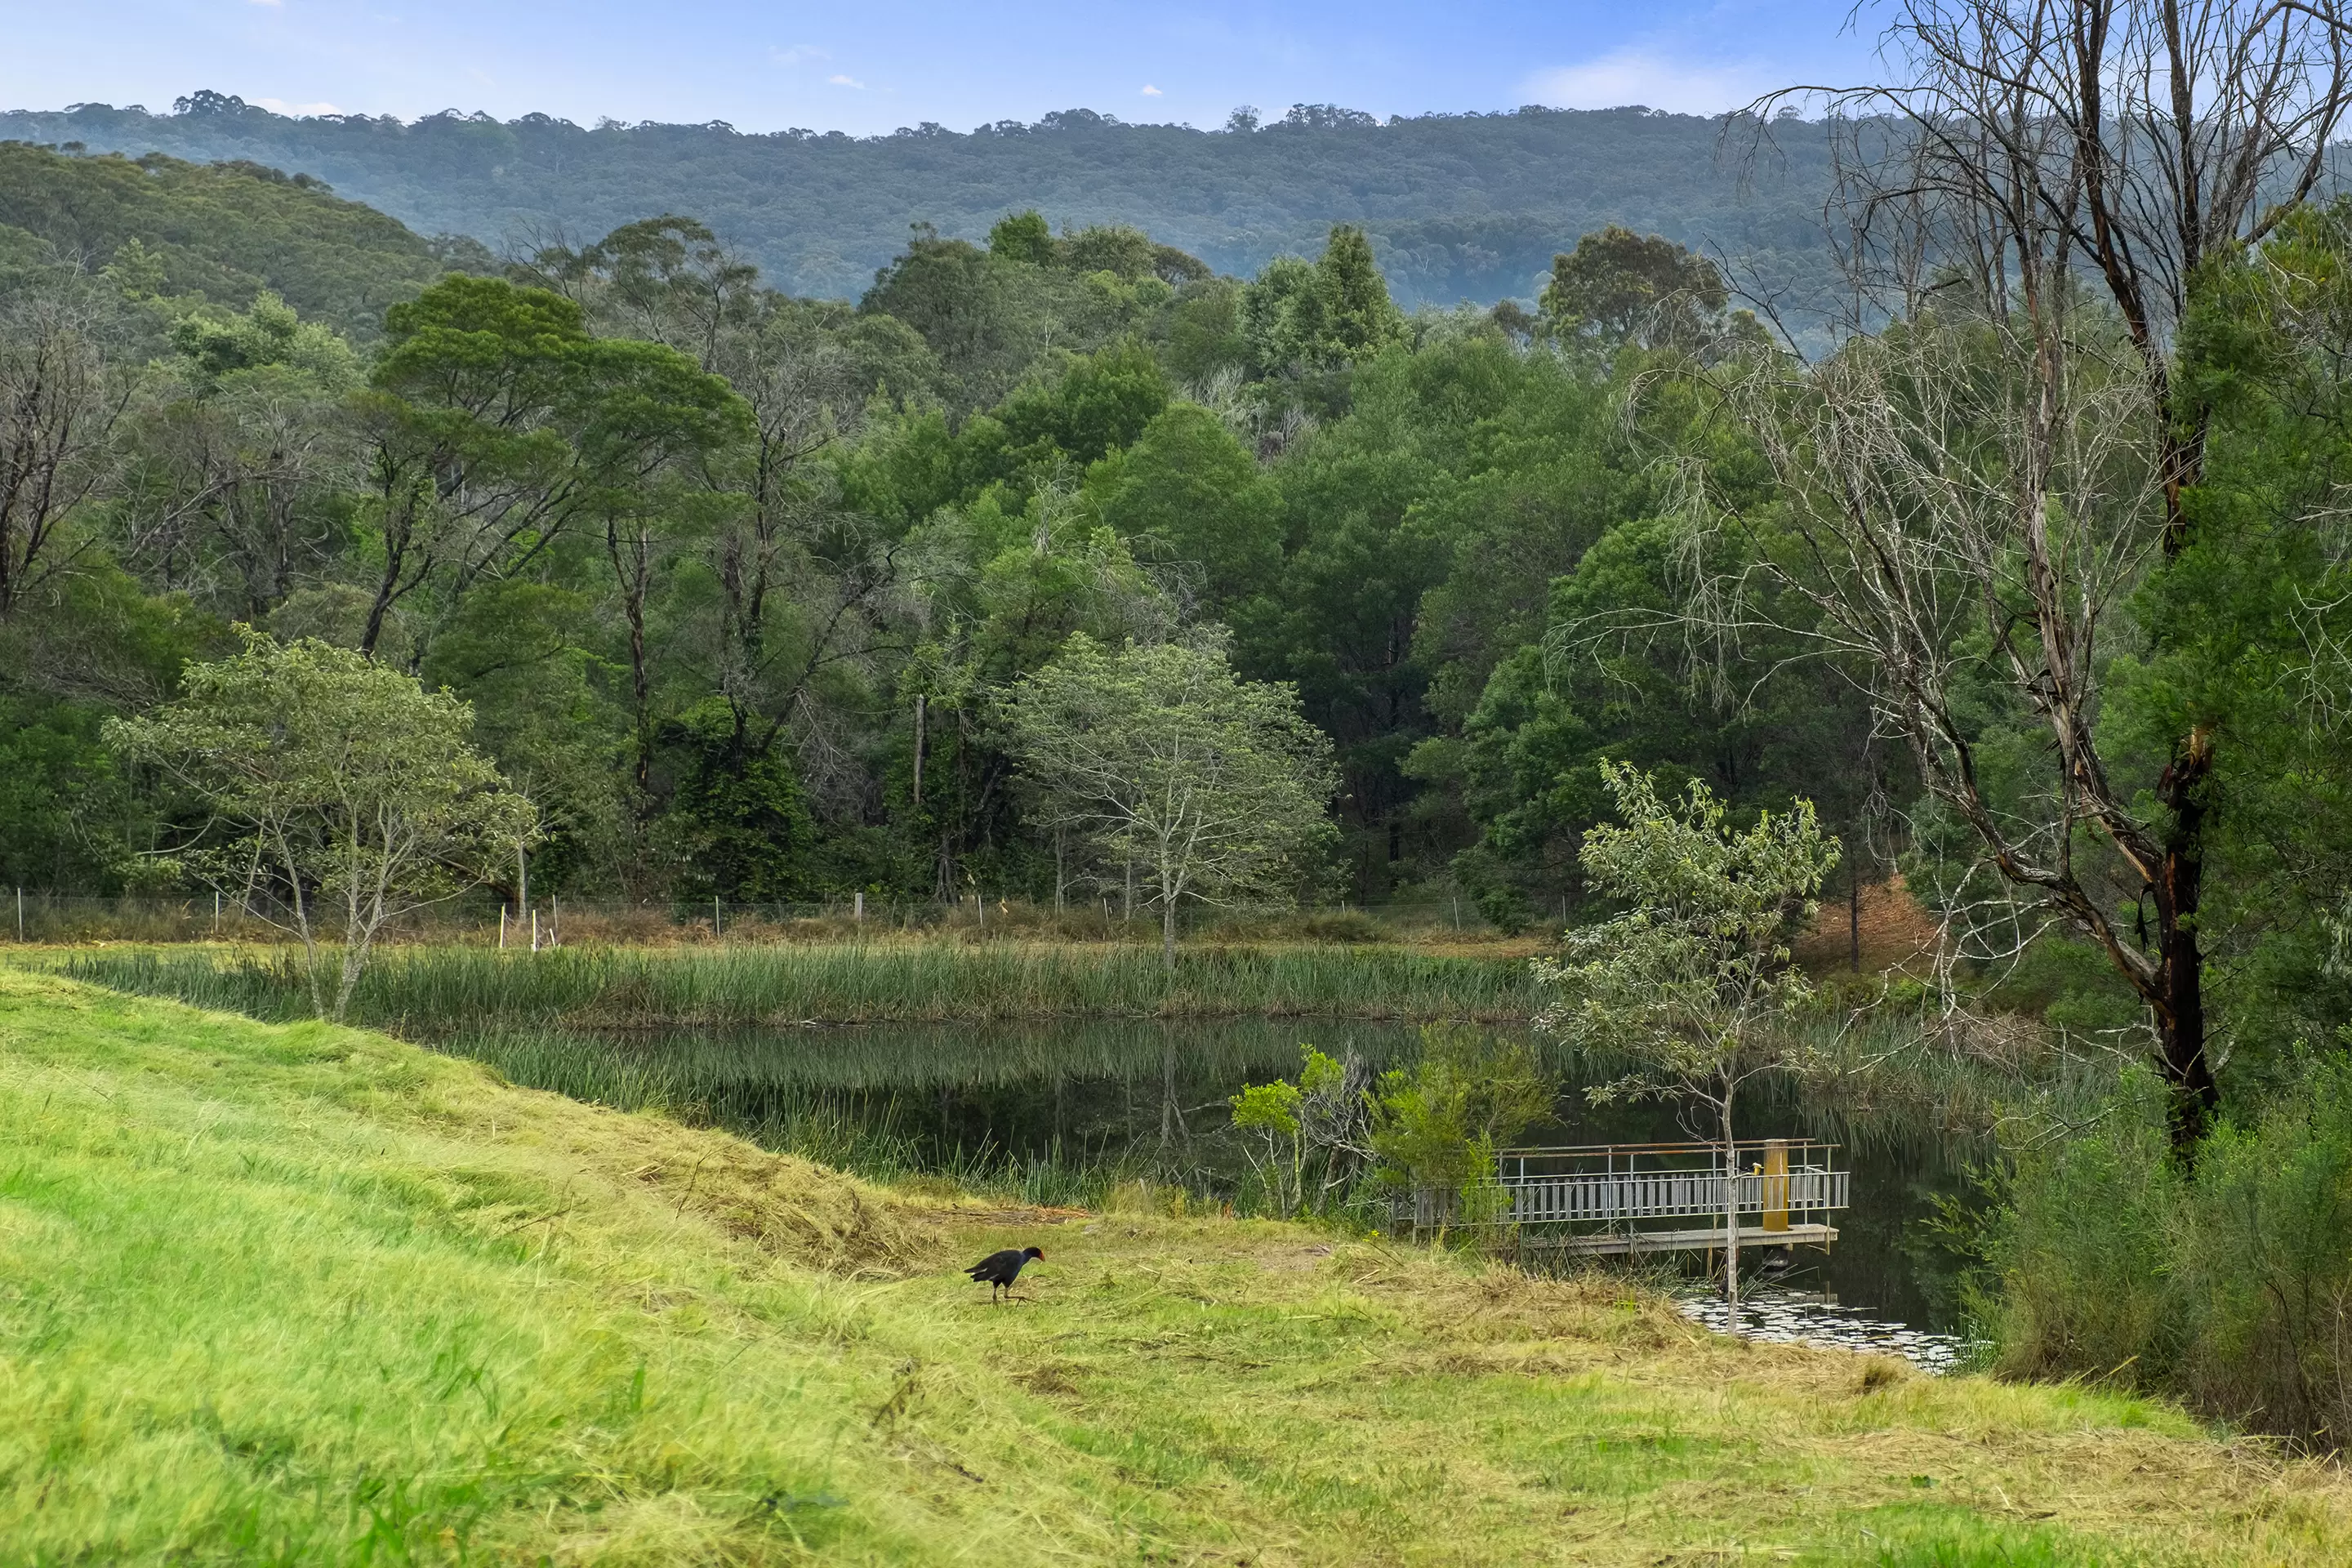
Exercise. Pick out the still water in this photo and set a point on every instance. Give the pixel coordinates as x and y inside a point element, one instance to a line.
<point>1135,1095</point>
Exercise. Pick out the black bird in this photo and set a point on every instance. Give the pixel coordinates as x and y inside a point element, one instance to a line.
<point>998,1270</point>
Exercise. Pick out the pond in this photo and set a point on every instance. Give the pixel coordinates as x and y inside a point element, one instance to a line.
<point>1064,1108</point>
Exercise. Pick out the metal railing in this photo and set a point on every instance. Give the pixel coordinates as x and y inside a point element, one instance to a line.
<point>1781,1182</point>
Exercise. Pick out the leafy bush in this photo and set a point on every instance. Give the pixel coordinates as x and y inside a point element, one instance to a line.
<point>1268,1114</point>
<point>2081,1248</point>
<point>1318,1124</point>
<point>1435,1128</point>
<point>2228,1287</point>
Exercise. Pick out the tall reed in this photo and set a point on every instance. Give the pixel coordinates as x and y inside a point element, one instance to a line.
<point>438,988</point>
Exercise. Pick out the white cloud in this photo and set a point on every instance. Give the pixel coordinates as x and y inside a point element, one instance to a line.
<point>279,106</point>
<point>839,81</point>
<point>799,54</point>
<point>1630,75</point>
<point>1150,90</point>
<point>273,4</point>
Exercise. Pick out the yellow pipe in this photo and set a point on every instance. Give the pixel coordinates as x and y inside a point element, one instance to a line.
<point>1775,1184</point>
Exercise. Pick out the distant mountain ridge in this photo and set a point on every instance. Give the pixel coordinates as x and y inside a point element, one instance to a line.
<point>1459,206</point>
<point>218,232</point>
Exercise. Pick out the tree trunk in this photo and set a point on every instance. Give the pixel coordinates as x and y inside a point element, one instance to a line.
<point>1170,889</point>
<point>1854,915</point>
<point>631,560</point>
<point>1730,1218</point>
<point>2179,1006</point>
<point>387,589</point>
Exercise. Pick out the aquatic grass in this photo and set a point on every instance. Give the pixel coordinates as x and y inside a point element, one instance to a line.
<point>851,1097</point>
<point>863,1130</point>
<point>430,989</point>
<point>295,1293</point>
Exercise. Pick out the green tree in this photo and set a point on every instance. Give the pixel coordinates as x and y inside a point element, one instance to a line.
<point>1266,1114</point>
<point>1303,318</point>
<point>1358,317</point>
<point>268,332</point>
<point>244,461</point>
<point>1097,404</point>
<point>1693,982</point>
<point>1161,755</point>
<point>498,425</point>
<point>737,818</point>
<point>353,794</point>
<point>1436,1127</point>
<point>1022,237</point>
<point>2257,605</point>
<point>2018,450</point>
<point>1620,287</point>
<point>1189,494</point>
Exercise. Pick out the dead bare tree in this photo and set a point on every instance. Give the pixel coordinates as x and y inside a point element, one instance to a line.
<point>1972,494</point>
<point>61,395</point>
<point>228,497</point>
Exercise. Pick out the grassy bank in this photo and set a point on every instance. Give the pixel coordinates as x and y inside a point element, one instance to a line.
<point>290,1293</point>
<point>442,988</point>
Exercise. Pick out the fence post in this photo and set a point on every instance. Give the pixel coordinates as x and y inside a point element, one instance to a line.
<point>20,911</point>
<point>554,922</point>
<point>502,928</point>
<point>714,919</point>
<point>860,913</point>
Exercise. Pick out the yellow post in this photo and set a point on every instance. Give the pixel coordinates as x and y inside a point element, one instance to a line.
<point>1776,1184</point>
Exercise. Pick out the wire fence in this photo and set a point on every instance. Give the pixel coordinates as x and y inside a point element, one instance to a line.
<point>33,916</point>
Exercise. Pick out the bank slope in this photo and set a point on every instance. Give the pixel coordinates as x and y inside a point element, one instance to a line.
<point>221,232</point>
<point>296,1293</point>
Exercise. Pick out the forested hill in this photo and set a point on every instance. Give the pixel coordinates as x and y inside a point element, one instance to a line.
<point>1458,206</point>
<point>219,233</point>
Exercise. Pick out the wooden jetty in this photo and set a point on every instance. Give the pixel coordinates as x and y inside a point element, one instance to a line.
<point>1627,1199</point>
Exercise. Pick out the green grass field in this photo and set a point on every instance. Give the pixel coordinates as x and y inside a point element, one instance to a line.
<point>292,1293</point>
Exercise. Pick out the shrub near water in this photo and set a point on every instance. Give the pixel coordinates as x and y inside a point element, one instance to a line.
<point>2230,1287</point>
<point>430,988</point>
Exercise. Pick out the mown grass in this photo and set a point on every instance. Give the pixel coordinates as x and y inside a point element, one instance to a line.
<point>289,1293</point>
<point>439,988</point>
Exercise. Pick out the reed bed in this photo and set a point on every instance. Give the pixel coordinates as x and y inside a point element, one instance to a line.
<point>436,989</point>
<point>1058,1114</point>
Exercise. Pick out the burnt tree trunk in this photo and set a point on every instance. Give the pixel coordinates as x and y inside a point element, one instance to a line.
<point>2179,1003</point>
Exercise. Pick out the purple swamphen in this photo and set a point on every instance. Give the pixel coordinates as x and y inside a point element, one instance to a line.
<point>998,1270</point>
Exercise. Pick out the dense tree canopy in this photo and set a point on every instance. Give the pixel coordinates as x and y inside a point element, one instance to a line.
<point>740,582</point>
<point>1464,206</point>
<point>218,233</point>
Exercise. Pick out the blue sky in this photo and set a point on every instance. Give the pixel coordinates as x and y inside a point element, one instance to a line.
<point>871,67</point>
